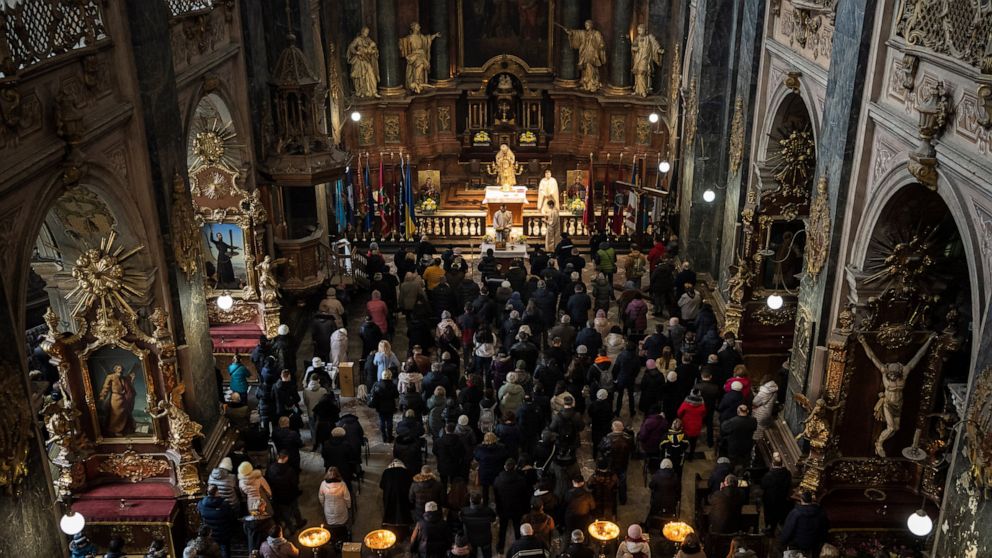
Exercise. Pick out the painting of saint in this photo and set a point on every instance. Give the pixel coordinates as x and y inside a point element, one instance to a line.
<point>429,184</point>
<point>517,27</point>
<point>224,247</point>
<point>118,380</point>
<point>576,183</point>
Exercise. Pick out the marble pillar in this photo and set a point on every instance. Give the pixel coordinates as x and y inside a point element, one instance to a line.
<point>440,65</point>
<point>165,140</point>
<point>620,78</point>
<point>390,74</point>
<point>571,18</point>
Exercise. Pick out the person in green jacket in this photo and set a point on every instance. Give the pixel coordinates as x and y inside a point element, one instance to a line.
<point>606,261</point>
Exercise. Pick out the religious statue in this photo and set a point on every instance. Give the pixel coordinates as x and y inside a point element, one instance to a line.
<point>547,190</point>
<point>552,224</point>
<point>182,429</point>
<point>505,168</point>
<point>816,427</point>
<point>118,390</point>
<point>503,223</point>
<point>416,48</point>
<point>268,287</point>
<point>592,54</point>
<point>894,374</point>
<point>60,422</point>
<point>363,55</point>
<point>645,53</point>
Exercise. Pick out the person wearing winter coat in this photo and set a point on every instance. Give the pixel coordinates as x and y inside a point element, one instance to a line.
<point>666,490</point>
<point>604,485</point>
<point>737,436</point>
<point>286,439</point>
<point>652,386</point>
<point>579,505</point>
<point>512,494</point>
<point>730,401</point>
<point>461,548</point>
<point>383,398</point>
<point>286,397</point>
<point>339,346</point>
<point>625,369</point>
<point>527,545</point>
<point>511,394</point>
<point>600,419</point>
<point>689,304</point>
<point>276,546</point>
<point>541,522</point>
<point>339,453</point>
<point>692,547</point>
<point>806,527</point>
<point>776,489</point>
<point>385,358</point>
<point>711,392</point>
<point>200,546</point>
<point>258,496</point>
<point>453,456</point>
<point>740,375</point>
<point>477,522</point>
<point>619,446</point>
<point>720,471</point>
<point>284,479</point>
<point>408,450</point>
<point>577,548</point>
<point>326,414</point>
<point>395,486</point>
<point>335,501</point>
<point>425,488</point>
<point>567,425</point>
<point>226,481</point>
<point>692,412</point>
<point>81,547</point>
<point>650,435</point>
<point>636,315</point>
<point>725,507</point>
<point>674,446</point>
<point>239,377</point>
<point>312,394</point>
<point>634,545</point>
<point>431,537</point>
<point>763,407</point>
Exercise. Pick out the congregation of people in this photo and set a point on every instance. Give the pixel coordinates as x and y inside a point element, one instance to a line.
<point>510,368</point>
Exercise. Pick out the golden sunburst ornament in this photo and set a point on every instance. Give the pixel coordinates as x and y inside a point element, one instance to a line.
<point>102,278</point>
<point>213,143</point>
<point>794,159</point>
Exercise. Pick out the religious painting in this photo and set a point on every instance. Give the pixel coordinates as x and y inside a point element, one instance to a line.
<point>428,184</point>
<point>224,250</point>
<point>520,28</point>
<point>576,183</point>
<point>120,391</point>
<point>84,215</point>
<point>785,246</point>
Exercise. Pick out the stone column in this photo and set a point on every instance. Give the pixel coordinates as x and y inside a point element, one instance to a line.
<point>390,77</point>
<point>571,18</point>
<point>440,65</point>
<point>623,11</point>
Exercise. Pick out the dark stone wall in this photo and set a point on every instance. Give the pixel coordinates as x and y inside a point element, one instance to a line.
<point>834,159</point>
<point>164,137</point>
<point>30,525</point>
<point>713,62</point>
<point>748,61</point>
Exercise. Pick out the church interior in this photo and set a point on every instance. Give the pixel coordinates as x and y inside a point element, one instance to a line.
<point>246,242</point>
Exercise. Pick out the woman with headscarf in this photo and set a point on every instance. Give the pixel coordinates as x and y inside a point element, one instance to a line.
<point>634,545</point>
<point>379,312</point>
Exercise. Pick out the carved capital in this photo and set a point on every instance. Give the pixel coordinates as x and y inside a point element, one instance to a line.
<point>792,81</point>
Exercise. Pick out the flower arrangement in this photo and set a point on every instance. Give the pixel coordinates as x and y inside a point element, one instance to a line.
<point>488,239</point>
<point>481,138</point>
<point>518,239</point>
<point>528,137</point>
<point>427,205</point>
<point>575,205</point>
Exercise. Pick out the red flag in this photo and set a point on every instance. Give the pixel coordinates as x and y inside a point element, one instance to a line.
<point>607,196</point>
<point>616,224</point>
<point>588,214</point>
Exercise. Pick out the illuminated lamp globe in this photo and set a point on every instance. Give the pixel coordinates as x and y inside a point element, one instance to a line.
<point>919,523</point>
<point>355,116</point>
<point>653,117</point>
<point>225,302</point>
<point>664,166</point>
<point>775,301</point>
<point>709,196</point>
<point>72,523</point>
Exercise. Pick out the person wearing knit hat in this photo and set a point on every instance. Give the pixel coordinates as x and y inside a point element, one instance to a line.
<point>226,481</point>
<point>283,329</point>
<point>722,468</point>
<point>666,489</point>
<point>736,386</point>
<point>634,545</point>
<point>582,350</point>
<point>602,395</point>
<point>81,547</point>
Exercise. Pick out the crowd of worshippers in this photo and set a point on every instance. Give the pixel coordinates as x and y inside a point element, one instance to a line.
<point>507,367</point>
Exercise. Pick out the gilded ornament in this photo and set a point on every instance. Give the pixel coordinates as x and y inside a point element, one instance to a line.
<point>101,277</point>
<point>617,128</point>
<point>17,433</point>
<point>422,122</point>
<point>643,132</point>
<point>818,231</point>
<point>675,76</point>
<point>737,137</point>
<point>444,119</point>
<point>793,160</point>
<point>240,313</point>
<point>186,245</point>
<point>182,429</point>
<point>586,127</point>
<point>739,282</point>
<point>767,316</point>
<point>565,119</point>
<point>391,128</point>
<point>791,81</point>
<point>366,132</point>
<point>818,426</point>
<point>268,286</point>
<point>869,472</point>
<point>691,109</point>
<point>836,366</point>
<point>845,321</point>
<point>979,431</point>
<point>134,467</point>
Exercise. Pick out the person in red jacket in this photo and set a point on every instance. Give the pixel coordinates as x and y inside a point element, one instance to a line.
<point>657,252</point>
<point>692,412</point>
<point>740,375</point>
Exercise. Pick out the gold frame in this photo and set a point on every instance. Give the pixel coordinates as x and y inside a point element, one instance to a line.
<point>759,290</point>
<point>462,68</point>
<point>245,213</point>
<point>151,398</point>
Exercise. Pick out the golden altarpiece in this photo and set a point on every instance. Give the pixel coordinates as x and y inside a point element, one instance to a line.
<point>124,453</point>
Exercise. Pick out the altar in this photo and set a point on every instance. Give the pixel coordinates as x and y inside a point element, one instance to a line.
<point>514,199</point>
<point>512,251</point>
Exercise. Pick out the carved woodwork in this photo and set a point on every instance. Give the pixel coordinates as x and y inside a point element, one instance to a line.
<point>935,111</point>
<point>908,69</point>
<point>18,432</point>
<point>737,137</point>
<point>955,28</point>
<point>978,431</point>
<point>985,106</point>
<point>691,108</point>
<point>186,246</point>
<point>818,230</point>
<point>134,467</point>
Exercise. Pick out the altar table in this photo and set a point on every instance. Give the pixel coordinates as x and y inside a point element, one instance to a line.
<point>515,200</point>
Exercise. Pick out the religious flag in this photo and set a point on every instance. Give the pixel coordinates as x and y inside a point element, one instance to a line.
<point>588,214</point>
<point>630,215</point>
<point>350,187</point>
<point>618,201</point>
<point>368,209</point>
<point>385,223</point>
<point>395,197</point>
<point>408,205</point>
<point>340,205</point>
<point>607,195</point>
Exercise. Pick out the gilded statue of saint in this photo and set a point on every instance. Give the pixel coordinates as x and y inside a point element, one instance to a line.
<point>592,54</point>
<point>182,429</point>
<point>645,53</point>
<point>416,48</point>
<point>363,55</point>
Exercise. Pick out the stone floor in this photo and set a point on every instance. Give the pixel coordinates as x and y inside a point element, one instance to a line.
<point>369,512</point>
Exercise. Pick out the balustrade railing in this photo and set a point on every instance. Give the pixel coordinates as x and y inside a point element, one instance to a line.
<point>34,31</point>
<point>572,224</point>
<point>452,226</point>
